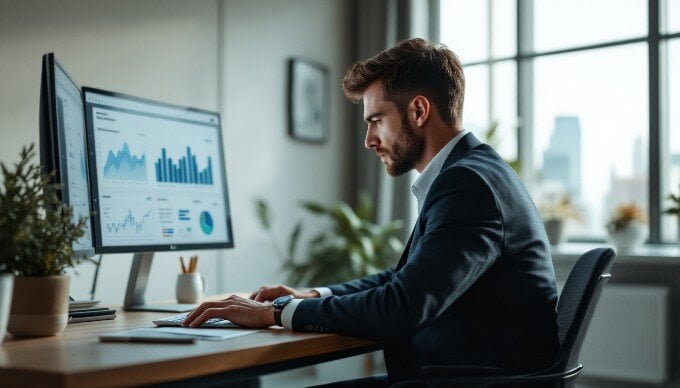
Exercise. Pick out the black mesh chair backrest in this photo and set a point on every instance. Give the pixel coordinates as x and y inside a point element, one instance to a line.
<point>577,303</point>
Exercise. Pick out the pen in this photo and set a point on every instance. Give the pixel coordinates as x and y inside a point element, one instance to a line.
<point>193,263</point>
<point>181,264</point>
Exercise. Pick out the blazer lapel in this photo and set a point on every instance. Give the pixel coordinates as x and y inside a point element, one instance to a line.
<point>464,145</point>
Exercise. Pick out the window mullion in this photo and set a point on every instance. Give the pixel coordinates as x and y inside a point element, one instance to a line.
<point>525,85</point>
<point>489,55</point>
<point>655,151</point>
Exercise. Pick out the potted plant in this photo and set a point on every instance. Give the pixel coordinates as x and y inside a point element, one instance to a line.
<point>352,248</point>
<point>626,227</point>
<point>674,209</point>
<point>35,246</point>
<point>555,210</point>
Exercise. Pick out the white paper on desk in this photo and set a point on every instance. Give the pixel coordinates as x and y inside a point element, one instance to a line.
<point>206,334</point>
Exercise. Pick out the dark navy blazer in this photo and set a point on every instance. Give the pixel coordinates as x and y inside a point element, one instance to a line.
<point>474,286</point>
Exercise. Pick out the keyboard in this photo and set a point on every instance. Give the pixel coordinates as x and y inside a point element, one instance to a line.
<point>176,321</point>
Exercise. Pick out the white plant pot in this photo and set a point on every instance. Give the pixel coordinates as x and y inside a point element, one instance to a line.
<point>555,230</point>
<point>629,237</point>
<point>39,306</point>
<point>6,284</point>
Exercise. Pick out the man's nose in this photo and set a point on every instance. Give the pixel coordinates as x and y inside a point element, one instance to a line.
<point>371,139</point>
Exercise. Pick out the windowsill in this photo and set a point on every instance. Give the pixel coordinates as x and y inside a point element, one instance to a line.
<point>652,254</point>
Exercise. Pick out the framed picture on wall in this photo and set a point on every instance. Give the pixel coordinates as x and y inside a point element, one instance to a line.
<point>307,101</point>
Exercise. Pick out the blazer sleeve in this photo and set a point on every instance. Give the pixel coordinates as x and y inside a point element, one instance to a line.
<point>461,239</point>
<point>362,284</point>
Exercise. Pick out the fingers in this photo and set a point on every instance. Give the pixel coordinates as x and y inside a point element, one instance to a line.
<point>213,312</point>
<point>269,293</point>
<point>206,306</point>
<point>198,311</point>
<point>259,294</point>
<point>243,312</point>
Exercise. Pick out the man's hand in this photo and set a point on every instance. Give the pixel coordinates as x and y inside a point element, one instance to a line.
<point>269,293</point>
<point>243,312</point>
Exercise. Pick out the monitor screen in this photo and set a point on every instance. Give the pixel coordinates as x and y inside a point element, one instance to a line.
<point>158,173</point>
<point>63,145</point>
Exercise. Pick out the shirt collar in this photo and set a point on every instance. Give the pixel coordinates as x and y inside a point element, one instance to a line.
<point>422,184</point>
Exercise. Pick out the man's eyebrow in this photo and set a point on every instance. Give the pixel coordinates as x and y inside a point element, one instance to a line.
<point>372,116</point>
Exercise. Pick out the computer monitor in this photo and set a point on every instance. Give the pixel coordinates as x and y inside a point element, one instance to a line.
<point>63,145</point>
<point>159,182</point>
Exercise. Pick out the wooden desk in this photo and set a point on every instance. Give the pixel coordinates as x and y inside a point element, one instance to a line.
<point>76,358</point>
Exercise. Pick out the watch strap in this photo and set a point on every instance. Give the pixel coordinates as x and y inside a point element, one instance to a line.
<point>279,304</point>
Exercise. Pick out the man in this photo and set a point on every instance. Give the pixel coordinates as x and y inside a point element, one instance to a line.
<point>475,285</point>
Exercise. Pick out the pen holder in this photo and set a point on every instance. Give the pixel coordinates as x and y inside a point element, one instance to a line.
<point>190,287</point>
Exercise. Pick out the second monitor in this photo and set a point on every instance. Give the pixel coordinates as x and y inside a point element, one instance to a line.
<point>158,176</point>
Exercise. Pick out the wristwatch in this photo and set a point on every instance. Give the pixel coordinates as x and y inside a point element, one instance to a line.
<point>278,304</point>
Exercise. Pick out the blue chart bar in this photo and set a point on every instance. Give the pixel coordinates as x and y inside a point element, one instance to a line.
<point>184,170</point>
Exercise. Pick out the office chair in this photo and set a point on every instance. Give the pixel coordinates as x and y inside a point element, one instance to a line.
<point>575,309</point>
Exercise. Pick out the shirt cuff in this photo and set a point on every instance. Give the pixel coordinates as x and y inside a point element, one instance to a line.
<point>287,313</point>
<point>323,291</point>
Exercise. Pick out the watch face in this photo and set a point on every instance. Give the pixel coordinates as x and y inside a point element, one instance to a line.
<point>282,301</point>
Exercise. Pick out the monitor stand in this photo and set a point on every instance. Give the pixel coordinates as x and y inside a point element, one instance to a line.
<point>137,282</point>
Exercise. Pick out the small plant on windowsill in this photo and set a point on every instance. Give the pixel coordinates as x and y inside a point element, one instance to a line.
<point>626,226</point>
<point>555,211</point>
<point>674,209</point>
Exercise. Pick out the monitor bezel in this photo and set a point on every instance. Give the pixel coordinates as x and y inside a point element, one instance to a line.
<point>53,158</point>
<point>96,224</point>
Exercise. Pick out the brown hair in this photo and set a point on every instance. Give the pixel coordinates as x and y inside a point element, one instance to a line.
<point>413,67</point>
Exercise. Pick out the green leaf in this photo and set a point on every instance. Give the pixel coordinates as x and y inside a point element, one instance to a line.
<point>365,207</point>
<point>396,245</point>
<point>37,227</point>
<point>294,238</point>
<point>491,134</point>
<point>367,248</point>
<point>315,208</point>
<point>262,212</point>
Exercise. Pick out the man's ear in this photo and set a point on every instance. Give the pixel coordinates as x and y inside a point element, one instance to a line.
<point>419,110</point>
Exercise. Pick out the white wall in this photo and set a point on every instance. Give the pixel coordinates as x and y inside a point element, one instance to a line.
<point>260,36</point>
<point>227,56</point>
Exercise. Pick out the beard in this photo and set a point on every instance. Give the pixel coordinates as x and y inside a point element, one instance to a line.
<point>407,150</point>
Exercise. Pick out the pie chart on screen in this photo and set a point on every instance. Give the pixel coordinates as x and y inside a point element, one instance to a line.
<point>206,222</point>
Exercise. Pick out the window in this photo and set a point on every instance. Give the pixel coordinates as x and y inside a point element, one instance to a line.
<point>486,106</point>
<point>672,124</point>
<point>560,24</point>
<point>568,84</point>
<point>461,19</point>
<point>490,77</point>
<point>590,131</point>
<point>670,21</point>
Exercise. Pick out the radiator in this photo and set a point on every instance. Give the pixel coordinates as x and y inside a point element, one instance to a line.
<point>628,338</point>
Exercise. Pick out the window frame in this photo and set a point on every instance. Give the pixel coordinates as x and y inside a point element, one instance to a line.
<point>524,59</point>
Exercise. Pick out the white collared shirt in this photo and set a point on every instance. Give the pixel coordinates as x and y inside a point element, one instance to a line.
<point>422,185</point>
<point>419,189</point>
